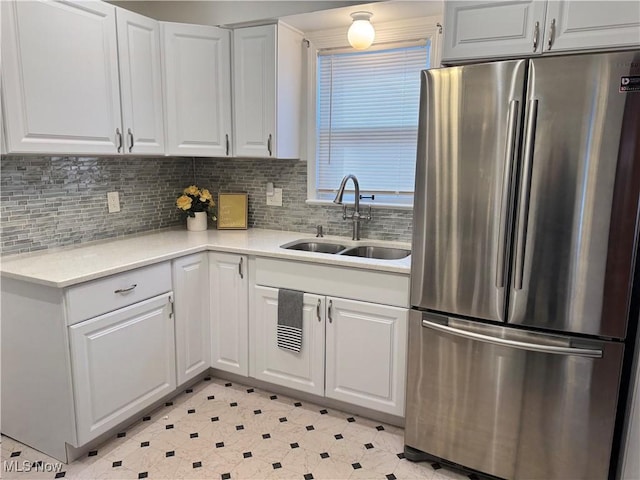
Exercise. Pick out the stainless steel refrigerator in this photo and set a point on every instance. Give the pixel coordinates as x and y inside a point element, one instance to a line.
<point>524,246</point>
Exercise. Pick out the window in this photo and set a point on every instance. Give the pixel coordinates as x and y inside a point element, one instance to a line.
<point>367,121</point>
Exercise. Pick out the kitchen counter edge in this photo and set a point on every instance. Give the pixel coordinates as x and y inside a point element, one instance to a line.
<point>67,266</point>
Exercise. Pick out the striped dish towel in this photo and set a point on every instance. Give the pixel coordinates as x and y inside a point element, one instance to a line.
<point>289,335</point>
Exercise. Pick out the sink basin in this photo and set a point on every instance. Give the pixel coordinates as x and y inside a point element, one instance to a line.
<point>385,253</point>
<point>319,247</point>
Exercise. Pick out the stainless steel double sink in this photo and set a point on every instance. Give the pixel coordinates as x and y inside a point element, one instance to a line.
<point>364,251</point>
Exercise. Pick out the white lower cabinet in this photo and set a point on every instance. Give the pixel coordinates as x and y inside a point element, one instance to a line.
<point>352,351</point>
<point>304,370</point>
<point>229,309</point>
<point>193,331</point>
<point>366,354</point>
<point>122,362</point>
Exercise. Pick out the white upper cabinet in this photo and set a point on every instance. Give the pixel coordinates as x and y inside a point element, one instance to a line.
<point>574,25</point>
<point>489,29</point>
<point>140,83</point>
<point>60,77</point>
<point>80,79</point>
<point>267,81</point>
<point>197,72</point>
<point>496,29</point>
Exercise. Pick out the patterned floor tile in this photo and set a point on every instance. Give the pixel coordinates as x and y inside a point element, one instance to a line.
<point>218,429</point>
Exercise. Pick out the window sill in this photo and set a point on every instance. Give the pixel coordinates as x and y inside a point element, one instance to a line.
<point>389,206</point>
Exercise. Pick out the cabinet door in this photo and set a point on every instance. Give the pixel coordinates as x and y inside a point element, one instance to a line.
<point>574,25</point>
<point>60,77</point>
<point>366,354</point>
<point>197,73</point>
<point>140,83</point>
<point>254,92</point>
<point>303,370</point>
<point>474,29</point>
<point>191,307</point>
<point>229,287</point>
<point>121,362</point>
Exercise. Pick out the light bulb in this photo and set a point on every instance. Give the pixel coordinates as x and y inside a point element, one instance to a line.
<point>361,33</point>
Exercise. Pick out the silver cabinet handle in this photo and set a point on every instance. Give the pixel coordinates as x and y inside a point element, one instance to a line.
<point>535,347</point>
<point>227,143</point>
<point>119,139</point>
<point>269,145</point>
<point>318,310</point>
<point>240,267</point>
<point>130,133</point>
<point>536,35</point>
<point>506,191</point>
<point>329,311</point>
<point>552,34</point>
<point>125,290</point>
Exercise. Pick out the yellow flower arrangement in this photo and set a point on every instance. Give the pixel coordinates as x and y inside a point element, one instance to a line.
<point>194,199</point>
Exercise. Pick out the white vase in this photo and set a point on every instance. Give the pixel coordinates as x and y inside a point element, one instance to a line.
<point>197,223</point>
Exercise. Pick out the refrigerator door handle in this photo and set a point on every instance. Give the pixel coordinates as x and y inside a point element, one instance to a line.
<point>506,191</point>
<point>525,190</point>
<point>534,347</point>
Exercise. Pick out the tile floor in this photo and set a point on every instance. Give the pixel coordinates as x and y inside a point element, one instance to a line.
<point>223,430</point>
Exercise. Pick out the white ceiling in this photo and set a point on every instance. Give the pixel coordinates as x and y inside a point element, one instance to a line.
<point>306,15</point>
<point>386,11</point>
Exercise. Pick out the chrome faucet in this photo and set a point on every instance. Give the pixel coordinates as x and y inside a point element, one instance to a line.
<point>356,218</point>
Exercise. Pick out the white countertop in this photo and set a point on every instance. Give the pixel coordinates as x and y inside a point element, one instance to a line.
<point>67,266</point>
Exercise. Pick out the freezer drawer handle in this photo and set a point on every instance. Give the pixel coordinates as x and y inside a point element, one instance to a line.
<point>535,347</point>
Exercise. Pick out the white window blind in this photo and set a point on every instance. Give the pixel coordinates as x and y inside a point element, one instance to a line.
<point>367,121</point>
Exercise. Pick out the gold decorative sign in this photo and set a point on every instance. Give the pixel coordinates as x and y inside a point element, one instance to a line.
<point>233,211</point>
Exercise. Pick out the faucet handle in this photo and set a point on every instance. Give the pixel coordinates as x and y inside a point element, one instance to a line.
<point>369,216</point>
<point>344,212</point>
<point>319,231</point>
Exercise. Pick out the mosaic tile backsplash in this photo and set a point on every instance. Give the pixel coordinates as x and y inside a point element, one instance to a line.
<point>252,175</point>
<point>47,202</point>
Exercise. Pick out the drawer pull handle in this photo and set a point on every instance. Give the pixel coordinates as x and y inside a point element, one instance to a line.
<point>318,310</point>
<point>240,268</point>
<point>329,311</point>
<point>125,290</point>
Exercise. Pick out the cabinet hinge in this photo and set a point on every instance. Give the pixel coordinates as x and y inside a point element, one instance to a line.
<point>171,306</point>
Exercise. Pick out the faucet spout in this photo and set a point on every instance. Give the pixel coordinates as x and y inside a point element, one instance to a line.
<point>340,194</point>
<point>355,217</point>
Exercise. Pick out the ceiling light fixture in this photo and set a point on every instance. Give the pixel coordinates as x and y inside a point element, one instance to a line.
<point>361,33</point>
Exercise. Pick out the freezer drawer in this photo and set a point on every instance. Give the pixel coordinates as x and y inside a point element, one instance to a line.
<point>508,402</point>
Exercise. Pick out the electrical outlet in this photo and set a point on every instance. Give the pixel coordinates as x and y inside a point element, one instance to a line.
<point>113,202</point>
<point>275,200</point>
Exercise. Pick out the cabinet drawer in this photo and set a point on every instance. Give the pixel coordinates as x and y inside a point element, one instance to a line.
<point>94,298</point>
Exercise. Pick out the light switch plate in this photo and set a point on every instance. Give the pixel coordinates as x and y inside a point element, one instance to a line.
<point>113,202</point>
<point>275,200</point>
